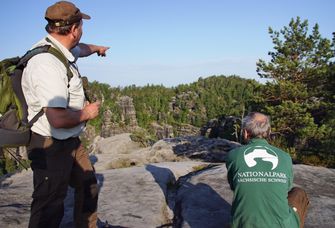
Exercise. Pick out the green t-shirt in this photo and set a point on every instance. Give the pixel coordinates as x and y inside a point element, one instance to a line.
<point>261,176</point>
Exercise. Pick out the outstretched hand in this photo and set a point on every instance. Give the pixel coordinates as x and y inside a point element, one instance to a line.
<point>89,49</point>
<point>102,51</point>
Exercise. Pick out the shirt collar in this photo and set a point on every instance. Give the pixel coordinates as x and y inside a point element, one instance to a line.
<point>63,49</point>
<point>258,141</point>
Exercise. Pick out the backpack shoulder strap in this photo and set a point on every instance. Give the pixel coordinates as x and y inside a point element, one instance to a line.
<point>23,63</point>
<point>16,77</point>
<point>64,60</point>
<point>59,54</point>
<point>46,49</point>
<point>31,53</point>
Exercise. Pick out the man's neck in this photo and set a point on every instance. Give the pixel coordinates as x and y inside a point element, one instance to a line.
<point>63,39</point>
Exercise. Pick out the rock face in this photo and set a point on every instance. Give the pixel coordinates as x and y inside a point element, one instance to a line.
<point>222,127</point>
<point>161,132</point>
<point>185,100</point>
<point>107,128</point>
<point>204,199</point>
<point>189,192</point>
<point>147,195</point>
<point>187,129</point>
<point>128,120</point>
<point>128,113</point>
<point>120,152</point>
<point>205,149</point>
<point>185,105</point>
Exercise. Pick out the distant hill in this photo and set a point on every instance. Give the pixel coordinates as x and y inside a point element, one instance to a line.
<point>304,128</point>
<point>193,103</point>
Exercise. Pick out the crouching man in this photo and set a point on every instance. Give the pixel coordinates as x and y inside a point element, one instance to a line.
<point>261,177</point>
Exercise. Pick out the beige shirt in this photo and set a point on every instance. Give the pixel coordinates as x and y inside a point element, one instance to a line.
<point>45,84</point>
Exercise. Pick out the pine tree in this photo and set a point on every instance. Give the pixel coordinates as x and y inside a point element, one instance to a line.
<point>298,96</point>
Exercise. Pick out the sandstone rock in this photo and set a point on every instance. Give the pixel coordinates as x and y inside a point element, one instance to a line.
<point>138,196</point>
<point>187,130</point>
<point>227,127</point>
<point>15,199</point>
<point>113,149</point>
<point>161,132</point>
<point>118,144</point>
<point>120,152</point>
<point>202,148</point>
<point>128,113</point>
<point>190,192</point>
<point>128,121</point>
<point>177,194</point>
<point>106,123</point>
<point>204,199</point>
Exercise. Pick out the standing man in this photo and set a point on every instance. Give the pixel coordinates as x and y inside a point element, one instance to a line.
<point>57,157</point>
<point>261,177</point>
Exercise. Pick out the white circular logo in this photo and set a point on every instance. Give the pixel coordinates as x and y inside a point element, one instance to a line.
<point>263,154</point>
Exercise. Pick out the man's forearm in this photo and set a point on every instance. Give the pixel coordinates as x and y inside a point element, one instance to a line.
<point>65,118</point>
<point>68,118</point>
<point>89,49</point>
<point>86,49</point>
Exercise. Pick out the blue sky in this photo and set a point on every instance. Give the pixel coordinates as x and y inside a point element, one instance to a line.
<point>167,42</point>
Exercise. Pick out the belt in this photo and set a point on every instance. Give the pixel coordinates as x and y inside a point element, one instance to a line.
<point>38,135</point>
<point>52,138</point>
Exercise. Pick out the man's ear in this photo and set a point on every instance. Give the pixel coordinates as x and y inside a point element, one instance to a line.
<point>245,134</point>
<point>75,26</point>
<point>73,29</point>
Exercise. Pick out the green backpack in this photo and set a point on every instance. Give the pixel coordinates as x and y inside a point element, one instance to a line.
<point>14,124</point>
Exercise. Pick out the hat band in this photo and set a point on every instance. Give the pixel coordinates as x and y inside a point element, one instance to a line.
<point>62,23</point>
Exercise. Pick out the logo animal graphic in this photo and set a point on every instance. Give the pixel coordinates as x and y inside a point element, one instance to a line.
<point>250,158</point>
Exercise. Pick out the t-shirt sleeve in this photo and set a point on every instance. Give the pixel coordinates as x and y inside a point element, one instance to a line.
<point>230,169</point>
<point>50,82</point>
<point>290,181</point>
<point>76,52</point>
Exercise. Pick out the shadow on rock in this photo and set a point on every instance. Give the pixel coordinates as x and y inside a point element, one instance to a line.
<point>202,148</point>
<point>100,177</point>
<point>165,178</point>
<point>197,205</point>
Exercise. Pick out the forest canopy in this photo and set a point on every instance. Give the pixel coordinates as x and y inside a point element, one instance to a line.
<point>298,95</point>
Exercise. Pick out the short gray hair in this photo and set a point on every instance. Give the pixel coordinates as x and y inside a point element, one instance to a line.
<point>257,125</point>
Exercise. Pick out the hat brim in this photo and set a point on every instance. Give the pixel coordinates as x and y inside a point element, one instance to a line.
<point>85,16</point>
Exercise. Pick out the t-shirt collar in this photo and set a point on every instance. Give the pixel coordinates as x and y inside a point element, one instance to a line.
<point>258,140</point>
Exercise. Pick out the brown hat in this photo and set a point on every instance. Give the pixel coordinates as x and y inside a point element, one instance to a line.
<point>64,13</point>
